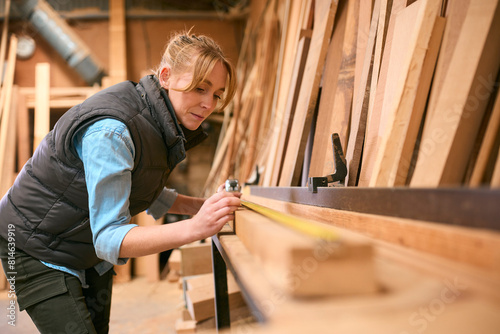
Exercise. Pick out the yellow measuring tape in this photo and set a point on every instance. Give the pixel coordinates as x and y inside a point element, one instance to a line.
<point>308,227</point>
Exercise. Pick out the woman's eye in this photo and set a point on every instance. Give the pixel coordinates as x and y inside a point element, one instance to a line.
<point>201,90</point>
<point>217,97</point>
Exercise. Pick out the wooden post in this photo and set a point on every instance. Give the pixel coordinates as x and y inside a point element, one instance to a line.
<point>42,103</point>
<point>118,73</point>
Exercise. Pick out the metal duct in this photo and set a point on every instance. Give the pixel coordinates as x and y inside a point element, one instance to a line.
<point>61,37</point>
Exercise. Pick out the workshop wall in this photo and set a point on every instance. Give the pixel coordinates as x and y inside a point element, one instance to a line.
<point>146,39</point>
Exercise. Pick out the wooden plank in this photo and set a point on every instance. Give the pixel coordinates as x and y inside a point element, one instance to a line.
<point>338,84</point>
<point>7,127</point>
<point>287,96</point>
<point>448,135</point>
<point>42,108</point>
<point>488,146</point>
<point>278,145</point>
<point>380,42</point>
<point>416,24</point>
<point>479,249</point>
<point>23,131</point>
<point>407,291</point>
<point>324,15</point>
<point>4,39</point>
<point>267,63</point>
<point>117,41</point>
<point>467,207</point>
<point>374,127</point>
<point>339,268</point>
<point>456,12</point>
<point>364,23</point>
<point>495,179</point>
<point>288,48</point>
<point>360,105</point>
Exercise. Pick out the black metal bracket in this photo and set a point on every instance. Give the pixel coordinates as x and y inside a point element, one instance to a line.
<point>340,168</point>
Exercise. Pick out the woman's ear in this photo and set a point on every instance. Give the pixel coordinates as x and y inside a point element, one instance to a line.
<point>164,76</point>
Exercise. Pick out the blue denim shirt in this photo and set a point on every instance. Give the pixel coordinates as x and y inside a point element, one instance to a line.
<point>107,152</point>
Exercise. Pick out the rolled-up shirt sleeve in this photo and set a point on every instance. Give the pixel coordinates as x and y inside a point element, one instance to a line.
<point>162,204</point>
<point>107,151</point>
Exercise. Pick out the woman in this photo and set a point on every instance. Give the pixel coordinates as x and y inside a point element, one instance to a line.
<point>65,221</point>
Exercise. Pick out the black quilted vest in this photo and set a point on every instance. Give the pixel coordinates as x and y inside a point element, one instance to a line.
<point>47,207</point>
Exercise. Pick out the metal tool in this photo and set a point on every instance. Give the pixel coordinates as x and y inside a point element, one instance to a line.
<point>301,225</point>
<point>340,168</point>
<point>232,185</point>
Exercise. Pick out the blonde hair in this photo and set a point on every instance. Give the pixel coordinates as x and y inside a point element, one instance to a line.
<point>186,52</point>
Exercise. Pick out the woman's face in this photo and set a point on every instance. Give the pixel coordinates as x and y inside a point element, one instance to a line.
<point>192,108</point>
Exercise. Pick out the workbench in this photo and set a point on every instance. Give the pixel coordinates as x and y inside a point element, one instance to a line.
<point>417,290</point>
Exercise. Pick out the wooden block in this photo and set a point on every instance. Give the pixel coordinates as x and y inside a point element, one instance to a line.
<point>196,259</point>
<point>200,296</point>
<point>449,134</point>
<point>174,261</point>
<point>303,266</point>
<point>324,15</point>
<point>185,326</point>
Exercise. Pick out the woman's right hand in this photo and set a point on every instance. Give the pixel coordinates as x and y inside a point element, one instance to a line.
<point>215,213</point>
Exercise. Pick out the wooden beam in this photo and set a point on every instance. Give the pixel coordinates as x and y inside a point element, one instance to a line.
<point>449,134</point>
<point>7,127</point>
<point>324,15</point>
<point>4,40</point>
<point>303,266</point>
<point>477,248</point>
<point>117,42</point>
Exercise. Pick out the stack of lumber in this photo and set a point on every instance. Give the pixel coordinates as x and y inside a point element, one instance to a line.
<point>409,86</point>
<point>199,311</point>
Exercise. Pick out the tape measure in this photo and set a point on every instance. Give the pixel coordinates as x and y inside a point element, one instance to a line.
<point>304,226</point>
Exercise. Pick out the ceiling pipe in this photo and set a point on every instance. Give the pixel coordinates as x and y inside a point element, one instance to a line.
<point>48,23</point>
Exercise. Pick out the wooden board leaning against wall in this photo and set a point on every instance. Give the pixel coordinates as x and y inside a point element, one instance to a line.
<point>385,104</point>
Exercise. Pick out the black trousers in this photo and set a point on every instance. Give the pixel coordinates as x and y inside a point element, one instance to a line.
<point>56,301</point>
